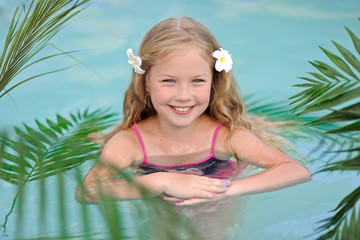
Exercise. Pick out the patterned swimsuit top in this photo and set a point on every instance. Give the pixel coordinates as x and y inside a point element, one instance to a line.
<point>210,166</point>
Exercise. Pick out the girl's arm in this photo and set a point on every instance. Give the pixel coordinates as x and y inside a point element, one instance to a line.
<point>101,179</point>
<point>280,170</point>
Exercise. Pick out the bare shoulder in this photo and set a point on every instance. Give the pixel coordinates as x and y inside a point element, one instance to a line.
<point>253,150</point>
<point>240,137</point>
<point>122,149</point>
<point>247,142</point>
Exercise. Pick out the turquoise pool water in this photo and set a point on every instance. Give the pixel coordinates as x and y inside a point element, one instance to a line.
<point>270,42</point>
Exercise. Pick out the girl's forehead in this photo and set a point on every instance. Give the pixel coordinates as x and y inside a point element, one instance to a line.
<point>182,57</point>
<point>182,64</point>
<point>181,50</point>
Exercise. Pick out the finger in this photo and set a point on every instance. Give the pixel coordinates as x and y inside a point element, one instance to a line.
<point>219,188</point>
<point>214,189</point>
<point>214,181</point>
<point>190,201</point>
<point>227,182</point>
<point>201,193</point>
<point>172,199</point>
<point>220,182</point>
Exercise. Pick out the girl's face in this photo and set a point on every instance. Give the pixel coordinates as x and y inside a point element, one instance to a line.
<point>179,85</point>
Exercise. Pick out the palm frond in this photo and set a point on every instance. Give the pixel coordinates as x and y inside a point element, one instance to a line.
<point>51,148</point>
<point>334,92</point>
<point>153,217</point>
<point>296,127</point>
<point>330,88</point>
<point>30,32</point>
<point>348,113</point>
<point>59,145</point>
<point>339,226</point>
<point>348,164</point>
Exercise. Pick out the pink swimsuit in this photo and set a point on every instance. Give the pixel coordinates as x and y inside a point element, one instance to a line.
<point>210,166</point>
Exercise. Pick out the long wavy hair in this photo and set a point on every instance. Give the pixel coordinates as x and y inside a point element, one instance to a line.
<point>226,105</point>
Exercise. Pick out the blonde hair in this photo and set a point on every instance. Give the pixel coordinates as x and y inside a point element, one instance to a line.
<point>226,106</point>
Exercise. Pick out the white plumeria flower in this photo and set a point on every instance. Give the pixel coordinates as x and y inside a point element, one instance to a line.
<point>224,61</point>
<point>135,61</point>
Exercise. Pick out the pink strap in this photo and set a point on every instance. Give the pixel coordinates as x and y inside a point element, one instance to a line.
<point>214,138</point>
<point>140,140</point>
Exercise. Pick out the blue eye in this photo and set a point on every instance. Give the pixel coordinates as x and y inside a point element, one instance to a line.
<point>198,80</point>
<point>169,80</point>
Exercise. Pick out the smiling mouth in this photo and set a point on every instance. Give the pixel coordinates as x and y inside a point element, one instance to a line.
<point>182,109</point>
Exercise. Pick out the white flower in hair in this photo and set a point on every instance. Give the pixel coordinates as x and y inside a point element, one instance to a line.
<point>224,61</point>
<point>135,61</point>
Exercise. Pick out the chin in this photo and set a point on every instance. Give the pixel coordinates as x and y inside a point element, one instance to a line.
<point>184,122</point>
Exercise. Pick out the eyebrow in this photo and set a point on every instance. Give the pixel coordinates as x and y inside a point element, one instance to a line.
<point>172,76</point>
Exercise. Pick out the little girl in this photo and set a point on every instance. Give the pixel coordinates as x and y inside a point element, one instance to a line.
<point>183,121</point>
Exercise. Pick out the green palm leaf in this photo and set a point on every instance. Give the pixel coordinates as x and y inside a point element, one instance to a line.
<point>338,226</point>
<point>280,112</point>
<point>51,148</point>
<point>330,88</point>
<point>355,40</point>
<point>295,128</point>
<point>342,97</point>
<point>337,89</point>
<point>350,58</point>
<point>59,145</point>
<point>351,227</point>
<point>348,164</point>
<point>339,63</point>
<point>349,113</point>
<point>30,32</point>
<point>348,128</point>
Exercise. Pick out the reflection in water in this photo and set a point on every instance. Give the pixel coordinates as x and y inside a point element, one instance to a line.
<point>216,220</point>
<point>213,220</point>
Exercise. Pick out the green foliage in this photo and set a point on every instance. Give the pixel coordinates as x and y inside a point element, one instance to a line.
<point>295,128</point>
<point>333,92</point>
<point>29,33</point>
<point>50,149</point>
<point>53,147</point>
<point>340,226</point>
<point>33,154</point>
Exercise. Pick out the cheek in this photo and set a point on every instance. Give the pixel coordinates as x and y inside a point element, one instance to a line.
<point>158,97</point>
<point>205,94</point>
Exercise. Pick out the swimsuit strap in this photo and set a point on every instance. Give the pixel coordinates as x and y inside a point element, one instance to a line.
<point>214,138</point>
<point>140,140</point>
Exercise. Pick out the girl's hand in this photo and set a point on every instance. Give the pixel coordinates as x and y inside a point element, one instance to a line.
<point>184,186</point>
<point>191,201</point>
<point>186,202</point>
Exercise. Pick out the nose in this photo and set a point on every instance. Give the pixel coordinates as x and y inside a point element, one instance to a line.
<point>183,93</point>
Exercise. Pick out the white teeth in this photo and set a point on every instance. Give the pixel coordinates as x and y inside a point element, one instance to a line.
<point>182,109</point>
